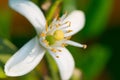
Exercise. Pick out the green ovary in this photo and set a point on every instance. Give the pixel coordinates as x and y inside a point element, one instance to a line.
<point>50,39</point>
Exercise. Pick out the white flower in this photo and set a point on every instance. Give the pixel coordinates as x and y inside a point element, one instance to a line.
<point>52,38</point>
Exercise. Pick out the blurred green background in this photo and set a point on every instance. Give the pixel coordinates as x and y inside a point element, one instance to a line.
<point>100,61</point>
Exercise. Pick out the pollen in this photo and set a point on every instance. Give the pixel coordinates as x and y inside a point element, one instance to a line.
<point>46,42</point>
<point>59,50</point>
<point>42,34</point>
<point>54,50</point>
<point>69,23</point>
<point>58,25</point>
<point>84,46</point>
<point>57,56</point>
<point>59,35</point>
<point>68,31</point>
<point>63,44</point>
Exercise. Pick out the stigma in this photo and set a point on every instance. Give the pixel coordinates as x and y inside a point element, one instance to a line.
<point>58,35</point>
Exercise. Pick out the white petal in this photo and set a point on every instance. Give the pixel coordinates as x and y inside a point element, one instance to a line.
<point>77,20</point>
<point>25,60</point>
<point>65,63</point>
<point>30,11</point>
<point>74,43</point>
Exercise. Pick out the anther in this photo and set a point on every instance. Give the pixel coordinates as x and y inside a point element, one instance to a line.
<point>57,25</point>
<point>46,43</point>
<point>59,50</point>
<point>57,56</point>
<point>63,45</point>
<point>84,46</point>
<point>54,50</point>
<point>58,19</point>
<point>69,23</point>
<point>68,31</point>
<point>42,34</point>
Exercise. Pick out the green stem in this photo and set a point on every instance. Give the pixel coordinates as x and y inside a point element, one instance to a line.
<point>52,10</point>
<point>52,66</point>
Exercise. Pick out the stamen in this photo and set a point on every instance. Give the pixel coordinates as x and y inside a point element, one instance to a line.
<point>58,19</point>
<point>84,46</point>
<point>42,34</point>
<point>69,23</point>
<point>46,43</point>
<point>51,26</point>
<point>46,26</point>
<point>68,31</point>
<point>57,56</point>
<point>54,50</point>
<point>64,44</point>
<point>58,25</point>
<point>57,16</point>
<point>64,16</point>
<point>68,38</point>
<point>59,50</point>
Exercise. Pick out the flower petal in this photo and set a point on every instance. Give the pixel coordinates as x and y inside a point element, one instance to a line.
<point>30,11</point>
<point>25,60</point>
<point>77,20</point>
<point>65,63</point>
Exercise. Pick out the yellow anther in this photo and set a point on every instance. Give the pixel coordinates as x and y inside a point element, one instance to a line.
<point>84,46</point>
<point>57,56</point>
<point>42,34</point>
<point>58,35</point>
<point>68,31</point>
<point>58,19</point>
<point>59,50</point>
<point>54,50</point>
<point>46,42</point>
<point>58,25</point>
<point>69,23</point>
<point>63,45</point>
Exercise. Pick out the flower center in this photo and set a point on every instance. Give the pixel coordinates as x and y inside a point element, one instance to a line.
<point>53,36</point>
<point>58,35</point>
<point>50,39</point>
